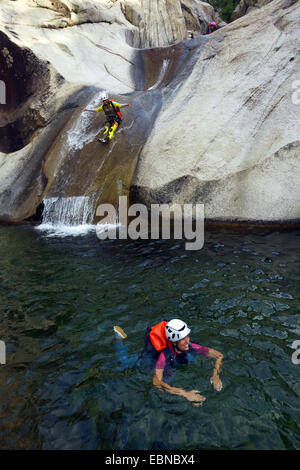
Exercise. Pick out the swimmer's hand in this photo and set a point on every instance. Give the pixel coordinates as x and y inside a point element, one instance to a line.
<point>216,382</point>
<point>195,397</point>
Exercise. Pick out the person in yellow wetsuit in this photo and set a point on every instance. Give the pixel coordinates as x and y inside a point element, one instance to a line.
<point>113,115</point>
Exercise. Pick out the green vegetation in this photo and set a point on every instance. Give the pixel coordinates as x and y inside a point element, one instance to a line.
<point>225,8</point>
<point>76,9</point>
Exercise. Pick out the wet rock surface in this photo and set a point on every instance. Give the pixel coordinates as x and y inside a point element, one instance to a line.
<point>30,85</point>
<point>227,135</point>
<point>211,120</point>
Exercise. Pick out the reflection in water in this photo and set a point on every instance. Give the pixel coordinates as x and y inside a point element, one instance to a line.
<point>65,385</point>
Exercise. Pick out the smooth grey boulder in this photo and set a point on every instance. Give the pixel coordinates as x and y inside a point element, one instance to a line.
<point>228,134</point>
<point>246,6</point>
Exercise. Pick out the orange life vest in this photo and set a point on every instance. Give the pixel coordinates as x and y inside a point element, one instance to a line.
<point>158,336</point>
<point>156,342</point>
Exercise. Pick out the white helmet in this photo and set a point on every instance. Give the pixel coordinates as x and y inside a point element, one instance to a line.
<point>104,96</point>
<point>176,330</point>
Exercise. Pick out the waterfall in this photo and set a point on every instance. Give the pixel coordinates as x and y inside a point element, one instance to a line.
<point>68,210</point>
<point>64,216</point>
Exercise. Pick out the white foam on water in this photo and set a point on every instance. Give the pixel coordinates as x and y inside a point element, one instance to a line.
<point>62,231</point>
<point>68,216</point>
<point>101,228</point>
<point>71,216</point>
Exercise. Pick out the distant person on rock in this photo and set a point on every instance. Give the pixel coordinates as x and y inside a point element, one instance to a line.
<point>212,27</point>
<point>113,117</point>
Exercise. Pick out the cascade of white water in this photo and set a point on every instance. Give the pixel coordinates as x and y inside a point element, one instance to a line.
<point>68,210</point>
<point>68,215</point>
<point>80,133</point>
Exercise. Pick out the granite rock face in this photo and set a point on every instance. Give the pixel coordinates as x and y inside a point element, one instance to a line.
<point>49,53</point>
<point>222,109</point>
<point>246,6</point>
<point>167,22</point>
<point>30,86</point>
<point>228,135</point>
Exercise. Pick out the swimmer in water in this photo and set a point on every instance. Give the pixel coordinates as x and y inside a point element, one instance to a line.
<point>178,350</point>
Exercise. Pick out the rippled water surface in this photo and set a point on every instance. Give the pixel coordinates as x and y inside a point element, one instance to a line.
<point>65,385</point>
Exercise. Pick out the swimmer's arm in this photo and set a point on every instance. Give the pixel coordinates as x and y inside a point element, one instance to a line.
<point>215,379</point>
<point>119,105</point>
<point>192,395</point>
<point>99,109</point>
<point>94,110</point>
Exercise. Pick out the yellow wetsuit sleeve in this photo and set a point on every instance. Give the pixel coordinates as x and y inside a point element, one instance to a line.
<point>118,105</point>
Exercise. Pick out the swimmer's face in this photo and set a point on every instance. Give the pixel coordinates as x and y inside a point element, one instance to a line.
<point>183,344</point>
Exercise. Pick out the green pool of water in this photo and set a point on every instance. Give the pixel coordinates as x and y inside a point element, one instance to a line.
<point>64,386</point>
